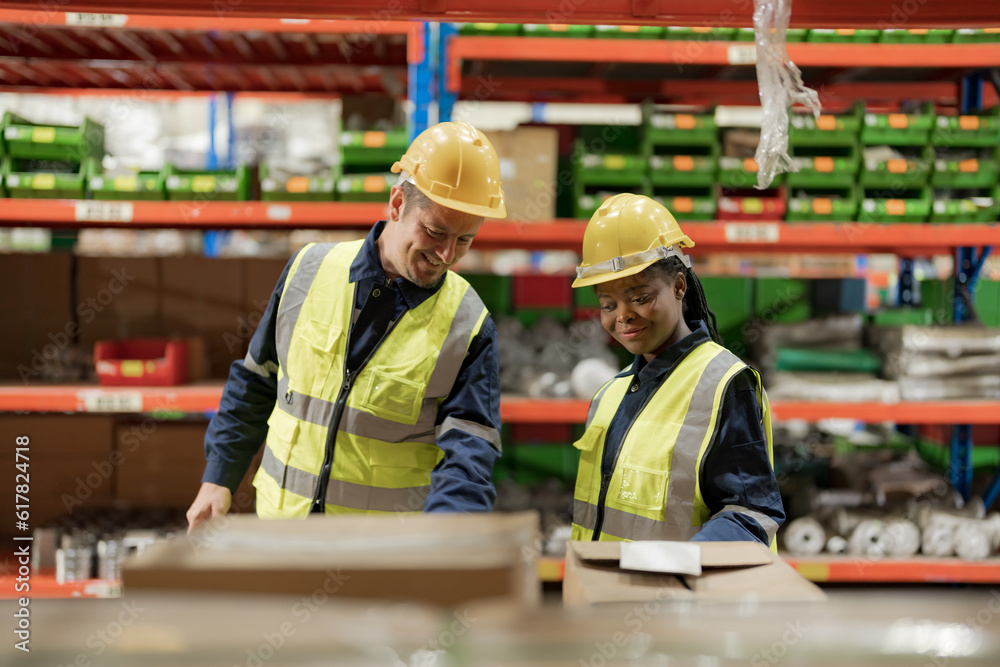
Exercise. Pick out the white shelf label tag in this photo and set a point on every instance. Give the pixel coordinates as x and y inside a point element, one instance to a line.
<point>753,232</point>
<point>100,400</point>
<point>96,20</point>
<point>742,54</point>
<point>104,211</point>
<point>279,212</point>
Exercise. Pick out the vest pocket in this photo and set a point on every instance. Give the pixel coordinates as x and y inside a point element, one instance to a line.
<point>393,397</point>
<point>400,465</point>
<point>642,488</point>
<point>587,478</point>
<point>313,370</point>
<point>269,481</point>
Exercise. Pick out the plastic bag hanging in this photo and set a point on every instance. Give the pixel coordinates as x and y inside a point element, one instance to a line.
<point>780,83</point>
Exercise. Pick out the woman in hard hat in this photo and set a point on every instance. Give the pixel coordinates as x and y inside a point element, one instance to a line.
<point>677,446</point>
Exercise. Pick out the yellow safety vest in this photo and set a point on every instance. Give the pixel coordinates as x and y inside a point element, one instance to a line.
<point>654,491</point>
<point>385,444</point>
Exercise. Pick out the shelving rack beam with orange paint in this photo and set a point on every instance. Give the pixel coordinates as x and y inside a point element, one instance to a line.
<point>808,13</point>
<point>204,397</point>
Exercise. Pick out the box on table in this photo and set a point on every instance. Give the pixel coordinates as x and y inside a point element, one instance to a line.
<point>440,559</point>
<point>727,571</point>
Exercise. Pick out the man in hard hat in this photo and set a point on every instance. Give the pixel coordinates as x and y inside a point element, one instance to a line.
<point>372,379</point>
<point>678,446</point>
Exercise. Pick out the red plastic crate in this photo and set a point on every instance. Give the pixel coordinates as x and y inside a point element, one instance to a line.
<point>141,362</point>
<point>540,291</point>
<point>752,205</point>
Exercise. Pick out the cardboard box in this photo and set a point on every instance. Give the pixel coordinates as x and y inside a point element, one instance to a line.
<point>439,559</point>
<point>727,571</point>
<point>528,164</point>
<point>70,463</point>
<point>160,462</point>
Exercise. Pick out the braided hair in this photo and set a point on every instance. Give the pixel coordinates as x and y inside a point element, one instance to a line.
<point>695,306</point>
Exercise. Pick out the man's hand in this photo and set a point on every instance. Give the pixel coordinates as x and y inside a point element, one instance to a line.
<point>212,501</point>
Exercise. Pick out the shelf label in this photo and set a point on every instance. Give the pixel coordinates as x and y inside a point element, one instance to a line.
<point>43,135</point>
<point>683,163</point>
<point>104,211</point>
<point>823,164</point>
<point>742,54</point>
<point>279,212</point>
<point>968,166</point>
<point>752,232</point>
<point>96,20</point>
<point>101,400</point>
<point>968,122</point>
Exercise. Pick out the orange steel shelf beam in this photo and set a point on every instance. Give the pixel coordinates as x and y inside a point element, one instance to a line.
<point>893,570</point>
<point>824,237</point>
<point>188,214</point>
<point>204,397</point>
<point>638,51</point>
<point>808,13</point>
<point>214,22</point>
<point>841,569</point>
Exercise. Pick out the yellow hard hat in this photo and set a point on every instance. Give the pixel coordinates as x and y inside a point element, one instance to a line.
<point>627,234</point>
<point>455,165</point>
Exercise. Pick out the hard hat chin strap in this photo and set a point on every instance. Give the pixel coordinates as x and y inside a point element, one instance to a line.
<point>617,264</point>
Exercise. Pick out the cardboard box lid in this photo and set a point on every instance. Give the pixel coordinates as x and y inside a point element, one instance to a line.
<point>731,571</point>
<point>442,559</point>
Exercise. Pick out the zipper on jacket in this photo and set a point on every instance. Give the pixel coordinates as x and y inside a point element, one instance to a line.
<point>318,505</point>
<point>606,476</point>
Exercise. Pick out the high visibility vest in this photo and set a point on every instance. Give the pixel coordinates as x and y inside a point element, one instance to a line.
<point>385,444</point>
<point>654,492</point>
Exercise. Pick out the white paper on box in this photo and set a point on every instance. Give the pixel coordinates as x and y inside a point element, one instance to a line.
<point>667,557</point>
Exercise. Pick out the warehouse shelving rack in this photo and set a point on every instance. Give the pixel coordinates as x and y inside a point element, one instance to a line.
<point>435,60</point>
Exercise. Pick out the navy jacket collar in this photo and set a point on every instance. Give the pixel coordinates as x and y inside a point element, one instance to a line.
<point>368,266</point>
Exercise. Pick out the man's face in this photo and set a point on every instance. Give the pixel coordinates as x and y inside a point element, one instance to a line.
<point>420,244</point>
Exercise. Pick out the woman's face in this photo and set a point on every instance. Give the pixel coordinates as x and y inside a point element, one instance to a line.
<point>644,312</point>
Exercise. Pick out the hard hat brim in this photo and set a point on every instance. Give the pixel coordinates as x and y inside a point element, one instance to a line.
<point>608,277</point>
<point>481,211</point>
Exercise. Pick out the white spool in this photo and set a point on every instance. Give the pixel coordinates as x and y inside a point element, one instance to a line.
<point>804,537</point>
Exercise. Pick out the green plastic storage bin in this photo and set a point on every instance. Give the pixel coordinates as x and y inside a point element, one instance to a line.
<point>222,185</point>
<point>969,207</point>
<point>557,30</point>
<point>980,172</point>
<point>495,29</point>
<point>678,129</point>
<point>683,170</point>
<point>314,187</point>
<point>32,141</point>
<point>980,130</point>
<point>904,206</point>
<point>365,187</point>
<point>824,171</point>
<point>586,203</point>
<point>897,317</point>
<point>139,186</point>
<point>43,179</point>
<point>796,35</point>
<point>898,173</point>
<point>784,300</point>
<point>608,168</point>
<point>688,204</point>
<point>739,172</point>
<point>628,31</point>
<point>827,130</point>
<point>372,150</point>
<point>744,35</point>
<point>844,35</point>
<point>495,291</point>
<point>699,34</point>
<point>974,35</point>
<point>731,299</point>
<point>898,129</point>
<point>822,205</point>
<point>916,36</point>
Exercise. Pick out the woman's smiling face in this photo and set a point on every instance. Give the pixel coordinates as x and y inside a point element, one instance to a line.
<point>644,312</point>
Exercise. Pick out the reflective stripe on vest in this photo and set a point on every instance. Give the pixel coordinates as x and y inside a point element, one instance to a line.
<point>385,447</point>
<point>654,491</point>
